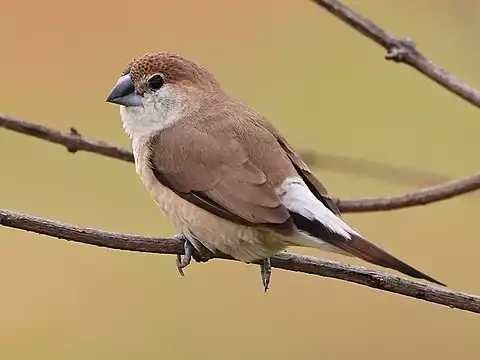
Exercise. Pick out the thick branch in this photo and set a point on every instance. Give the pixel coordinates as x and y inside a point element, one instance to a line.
<point>287,261</point>
<point>401,50</point>
<point>74,142</point>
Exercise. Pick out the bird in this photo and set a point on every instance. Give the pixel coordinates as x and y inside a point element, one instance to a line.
<point>226,178</point>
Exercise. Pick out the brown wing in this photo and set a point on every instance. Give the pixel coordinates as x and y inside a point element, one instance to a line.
<point>215,173</point>
<point>312,182</point>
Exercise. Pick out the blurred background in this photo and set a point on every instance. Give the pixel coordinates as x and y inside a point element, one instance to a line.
<point>376,128</point>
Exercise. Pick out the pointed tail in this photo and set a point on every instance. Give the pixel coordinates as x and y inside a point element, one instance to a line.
<point>357,246</point>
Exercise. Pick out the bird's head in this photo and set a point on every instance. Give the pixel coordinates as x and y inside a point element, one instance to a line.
<point>158,89</point>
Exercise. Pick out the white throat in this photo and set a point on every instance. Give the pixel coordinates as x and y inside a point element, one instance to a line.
<point>159,111</point>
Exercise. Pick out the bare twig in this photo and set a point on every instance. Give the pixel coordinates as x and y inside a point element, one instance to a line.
<point>287,261</point>
<point>414,198</point>
<point>401,50</point>
<point>373,169</point>
<point>75,142</point>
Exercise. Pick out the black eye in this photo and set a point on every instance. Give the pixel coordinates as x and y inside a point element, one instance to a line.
<point>156,82</point>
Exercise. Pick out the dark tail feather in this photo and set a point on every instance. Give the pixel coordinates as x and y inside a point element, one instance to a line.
<point>367,251</point>
<point>359,247</point>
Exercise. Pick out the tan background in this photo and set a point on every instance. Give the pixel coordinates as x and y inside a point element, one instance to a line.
<point>327,87</point>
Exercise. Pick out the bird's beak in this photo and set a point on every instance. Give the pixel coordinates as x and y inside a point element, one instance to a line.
<point>124,93</point>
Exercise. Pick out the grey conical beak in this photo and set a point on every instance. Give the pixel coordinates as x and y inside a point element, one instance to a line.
<point>124,93</point>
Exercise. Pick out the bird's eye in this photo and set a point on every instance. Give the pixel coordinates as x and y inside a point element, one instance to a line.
<point>156,81</point>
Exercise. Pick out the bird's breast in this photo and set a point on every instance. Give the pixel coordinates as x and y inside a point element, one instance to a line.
<point>167,201</point>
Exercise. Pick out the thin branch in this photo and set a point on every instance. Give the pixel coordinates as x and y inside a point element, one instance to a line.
<point>402,50</point>
<point>74,142</point>
<point>287,261</point>
<point>372,169</point>
<point>415,198</point>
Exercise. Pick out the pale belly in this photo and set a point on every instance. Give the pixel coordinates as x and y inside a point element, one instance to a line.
<point>242,242</point>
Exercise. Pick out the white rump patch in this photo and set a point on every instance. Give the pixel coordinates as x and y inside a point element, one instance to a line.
<point>297,197</point>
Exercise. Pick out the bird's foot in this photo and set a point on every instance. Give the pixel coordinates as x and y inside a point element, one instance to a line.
<point>200,254</point>
<point>266,273</point>
<point>183,262</point>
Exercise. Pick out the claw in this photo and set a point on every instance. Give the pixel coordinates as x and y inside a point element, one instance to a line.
<point>266,273</point>
<point>187,258</point>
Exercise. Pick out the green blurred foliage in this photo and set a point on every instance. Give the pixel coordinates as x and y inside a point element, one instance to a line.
<point>326,87</point>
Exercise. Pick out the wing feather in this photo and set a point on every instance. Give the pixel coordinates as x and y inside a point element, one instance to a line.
<point>215,173</point>
<point>315,186</point>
